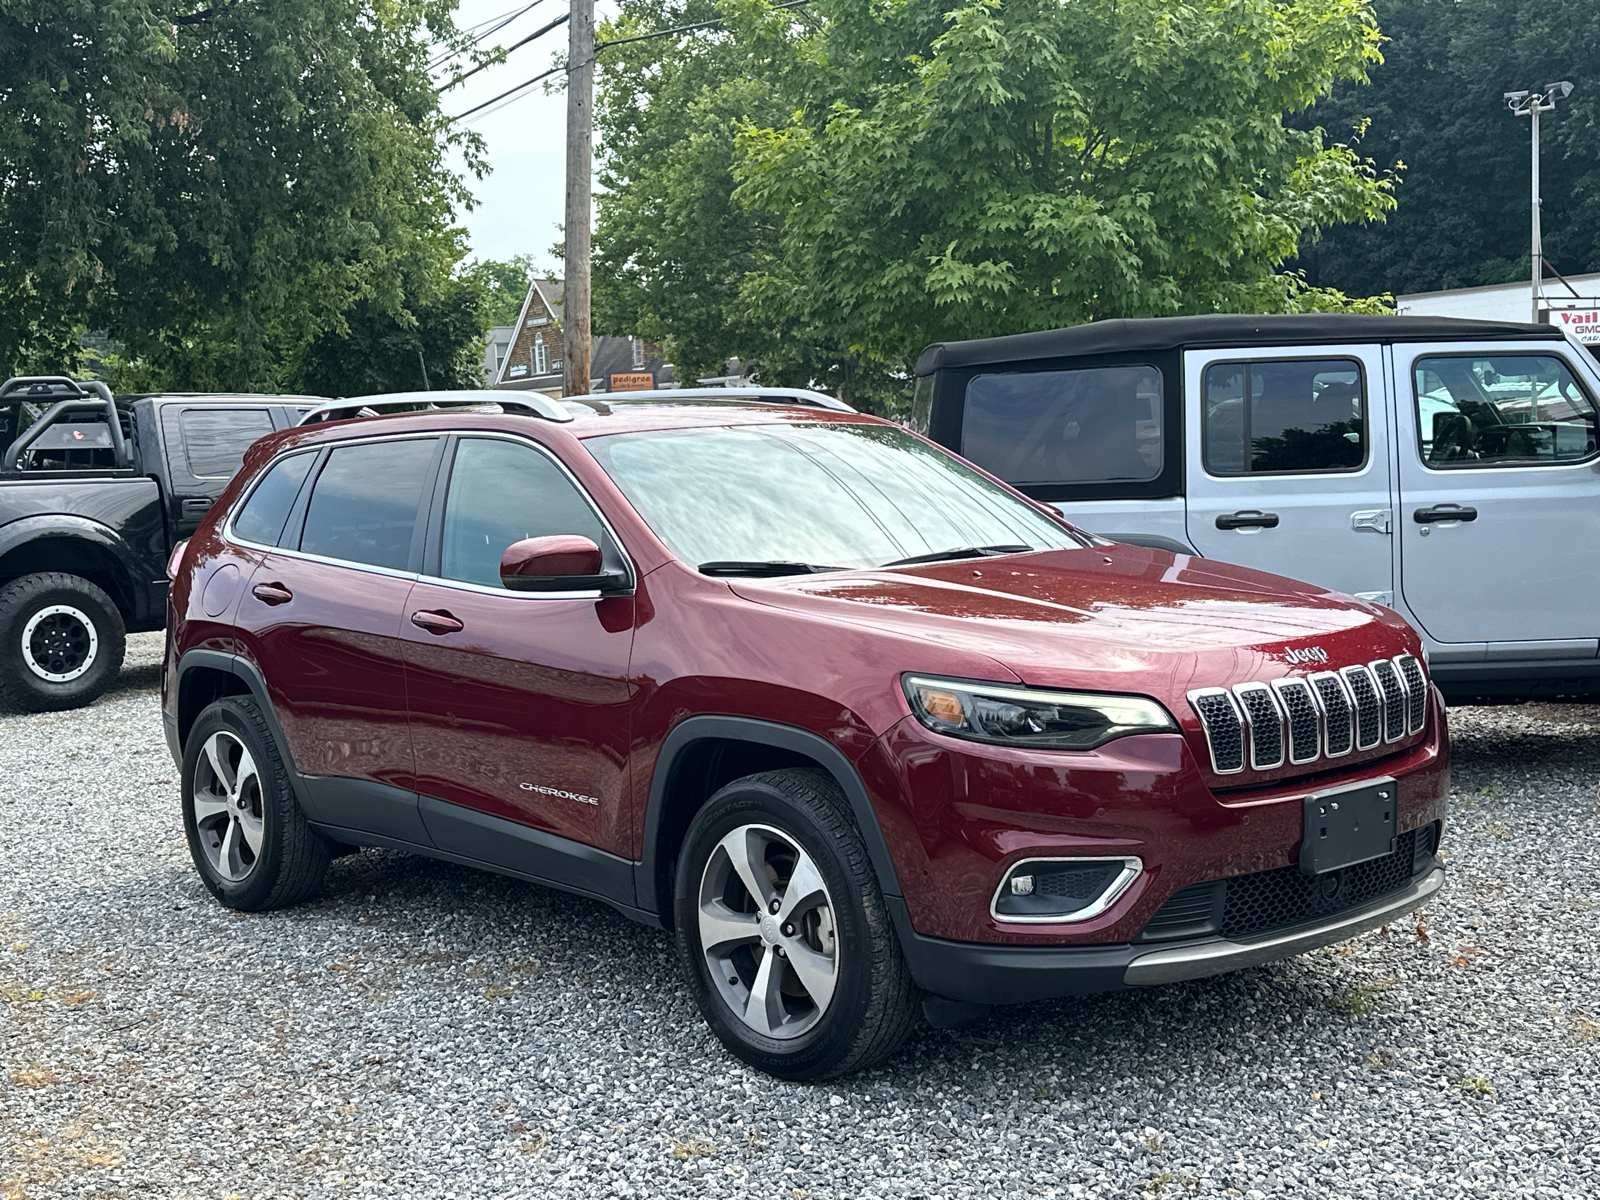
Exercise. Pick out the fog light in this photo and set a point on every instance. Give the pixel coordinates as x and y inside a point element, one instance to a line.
<point>1062,890</point>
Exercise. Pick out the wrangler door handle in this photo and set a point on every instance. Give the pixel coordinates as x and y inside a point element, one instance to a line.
<point>272,593</point>
<point>1249,518</point>
<point>436,622</point>
<point>1445,512</point>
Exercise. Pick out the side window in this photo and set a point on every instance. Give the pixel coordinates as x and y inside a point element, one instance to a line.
<point>1501,410</point>
<point>502,492</point>
<point>921,418</point>
<point>365,501</point>
<point>215,439</point>
<point>1097,425</point>
<point>1277,417</point>
<point>262,517</point>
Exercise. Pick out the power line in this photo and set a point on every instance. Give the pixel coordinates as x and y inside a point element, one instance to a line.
<point>494,24</point>
<point>661,33</point>
<point>483,66</point>
<point>526,83</point>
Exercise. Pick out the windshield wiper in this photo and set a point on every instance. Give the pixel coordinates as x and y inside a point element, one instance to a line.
<point>771,567</point>
<point>960,552</point>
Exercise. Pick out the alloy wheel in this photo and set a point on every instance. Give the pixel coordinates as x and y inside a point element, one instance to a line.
<point>767,931</point>
<point>227,806</point>
<point>59,643</point>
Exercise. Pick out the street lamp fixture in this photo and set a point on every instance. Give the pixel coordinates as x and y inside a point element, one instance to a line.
<point>1531,104</point>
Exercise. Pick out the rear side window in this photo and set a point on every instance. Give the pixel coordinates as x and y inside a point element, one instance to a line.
<point>1096,425</point>
<point>1501,410</point>
<point>1279,417</point>
<point>500,493</point>
<point>365,502</point>
<point>262,517</point>
<point>214,440</point>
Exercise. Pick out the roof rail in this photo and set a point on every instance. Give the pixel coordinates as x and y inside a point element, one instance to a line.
<point>533,404</point>
<point>54,387</point>
<point>763,395</point>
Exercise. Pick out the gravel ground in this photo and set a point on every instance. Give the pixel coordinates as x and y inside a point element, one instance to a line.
<point>428,1031</point>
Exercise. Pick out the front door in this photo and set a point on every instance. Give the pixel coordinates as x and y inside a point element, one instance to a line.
<point>519,701</point>
<point>1288,464</point>
<point>321,615</point>
<point>1500,497</point>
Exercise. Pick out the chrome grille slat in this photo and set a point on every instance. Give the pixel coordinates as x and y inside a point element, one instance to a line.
<point>1417,687</point>
<point>1368,706</point>
<point>1304,719</point>
<point>1265,721</point>
<point>1300,720</point>
<point>1338,714</point>
<point>1393,690</point>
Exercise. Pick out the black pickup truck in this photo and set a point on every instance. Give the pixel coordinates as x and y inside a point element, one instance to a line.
<point>95,491</point>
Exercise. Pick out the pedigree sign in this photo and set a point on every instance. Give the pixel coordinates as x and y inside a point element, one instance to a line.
<point>638,381</point>
<point>1584,324</point>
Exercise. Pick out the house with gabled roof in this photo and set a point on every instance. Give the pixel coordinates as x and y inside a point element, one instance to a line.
<point>534,360</point>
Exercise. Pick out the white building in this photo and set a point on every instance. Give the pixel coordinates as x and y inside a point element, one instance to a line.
<point>1573,303</point>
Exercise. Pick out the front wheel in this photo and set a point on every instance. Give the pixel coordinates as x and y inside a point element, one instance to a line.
<point>784,933</point>
<point>61,642</point>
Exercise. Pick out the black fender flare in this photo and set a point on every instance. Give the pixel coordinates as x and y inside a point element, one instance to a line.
<point>250,675</point>
<point>766,733</point>
<point>46,527</point>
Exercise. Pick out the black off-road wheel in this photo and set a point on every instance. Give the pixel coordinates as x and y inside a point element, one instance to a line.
<point>782,928</point>
<point>61,642</point>
<point>247,836</point>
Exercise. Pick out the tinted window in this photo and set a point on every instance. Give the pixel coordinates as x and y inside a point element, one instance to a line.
<point>832,495</point>
<point>1092,426</point>
<point>500,493</point>
<point>262,517</point>
<point>214,440</point>
<point>1501,410</point>
<point>364,504</point>
<point>1265,417</point>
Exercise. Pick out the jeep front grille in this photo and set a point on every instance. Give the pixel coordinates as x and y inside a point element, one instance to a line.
<point>1323,716</point>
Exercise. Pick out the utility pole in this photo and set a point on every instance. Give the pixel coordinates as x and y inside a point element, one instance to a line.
<point>1531,104</point>
<point>580,147</point>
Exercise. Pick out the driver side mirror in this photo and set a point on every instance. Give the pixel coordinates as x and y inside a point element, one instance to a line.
<point>563,562</point>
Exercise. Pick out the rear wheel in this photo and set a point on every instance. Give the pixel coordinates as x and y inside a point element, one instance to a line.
<point>247,836</point>
<point>784,933</point>
<point>61,642</point>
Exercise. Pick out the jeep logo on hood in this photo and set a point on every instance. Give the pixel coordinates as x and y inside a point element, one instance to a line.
<point>1309,654</point>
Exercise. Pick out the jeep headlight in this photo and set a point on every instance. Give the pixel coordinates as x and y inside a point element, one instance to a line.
<point>1031,717</point>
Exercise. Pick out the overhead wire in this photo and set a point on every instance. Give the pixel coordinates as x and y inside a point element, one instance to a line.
<point>494,24</point>
<point>501,56</point>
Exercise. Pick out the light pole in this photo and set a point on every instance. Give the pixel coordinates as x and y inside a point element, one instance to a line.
<point>1531,104</point>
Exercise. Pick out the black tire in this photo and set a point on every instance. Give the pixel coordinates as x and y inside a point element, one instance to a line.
<point>61,642</point>
<point>290,859</point>
<point>873,1003</point>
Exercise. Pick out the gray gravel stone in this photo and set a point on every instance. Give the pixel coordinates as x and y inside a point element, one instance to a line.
<point>431,1032</point>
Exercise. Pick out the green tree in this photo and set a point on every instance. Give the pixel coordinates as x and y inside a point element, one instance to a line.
<point>505,284</point>
<point>908,172</point>
<point>1435,106</point>
<point>217,187</point>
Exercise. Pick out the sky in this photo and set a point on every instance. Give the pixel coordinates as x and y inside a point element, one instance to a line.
<point>520,202</point>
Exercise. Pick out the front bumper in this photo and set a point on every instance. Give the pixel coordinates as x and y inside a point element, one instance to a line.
<point>978,973</point>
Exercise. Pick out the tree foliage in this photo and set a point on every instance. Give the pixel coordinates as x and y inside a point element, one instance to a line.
<point>909,171</point>
<point>219,187</point>
<point>1435,106</point>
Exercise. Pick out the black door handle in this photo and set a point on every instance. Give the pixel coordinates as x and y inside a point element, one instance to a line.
<point>1445,512</point>
<point>196,507</point>
<point>1248,519</point>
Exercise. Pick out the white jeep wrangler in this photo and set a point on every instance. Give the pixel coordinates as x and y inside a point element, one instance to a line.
<point>1446,468</point>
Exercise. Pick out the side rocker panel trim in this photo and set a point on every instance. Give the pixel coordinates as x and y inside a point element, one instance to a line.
<point>784,737</point>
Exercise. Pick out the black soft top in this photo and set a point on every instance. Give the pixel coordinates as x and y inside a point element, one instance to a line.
<point>1151,334</point>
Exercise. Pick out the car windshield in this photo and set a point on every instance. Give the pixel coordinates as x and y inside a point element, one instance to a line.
<point>827,495</point>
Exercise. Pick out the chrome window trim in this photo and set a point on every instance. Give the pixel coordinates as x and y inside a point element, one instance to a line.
<point>1346,673</point>
<point>1405,699</point>
<point>1256,764</point>
<point>1297,681</point>
<point>1205,727</point>
<point>1349,698</point>
<point>1132,868</point>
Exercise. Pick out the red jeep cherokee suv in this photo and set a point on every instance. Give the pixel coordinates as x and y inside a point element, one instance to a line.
<point>871,731</point>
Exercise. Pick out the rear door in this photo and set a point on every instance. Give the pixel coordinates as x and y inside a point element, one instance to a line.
<point>205,443</point>
<point>1500,497</point>
<point>1288,463</point>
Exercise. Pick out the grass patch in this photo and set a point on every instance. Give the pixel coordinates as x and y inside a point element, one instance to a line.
<point>1357,1001</point>
<point>693,1147</point>
<point>1476,1085</point>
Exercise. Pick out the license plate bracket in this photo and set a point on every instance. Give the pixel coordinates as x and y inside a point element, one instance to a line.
<point>1350,825</point>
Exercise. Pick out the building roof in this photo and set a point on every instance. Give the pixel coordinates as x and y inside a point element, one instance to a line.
<point>1151,334</point>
